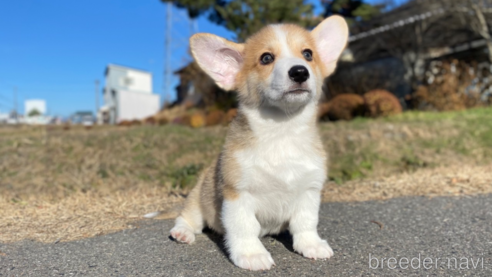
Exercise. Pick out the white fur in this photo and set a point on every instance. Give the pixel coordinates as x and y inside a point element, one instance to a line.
<point>283,171</point>
<point>281,184</point>
<point>283,174</point>
<point>282,167</point>
<point>183,231</point>
<point>242,232</point>
<point>282,38</point>
<point>279,82</point>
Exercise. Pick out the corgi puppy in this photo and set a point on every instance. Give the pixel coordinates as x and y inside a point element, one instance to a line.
<point>272,167</point>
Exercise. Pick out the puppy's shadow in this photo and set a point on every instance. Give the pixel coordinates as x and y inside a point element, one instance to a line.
<point>285,238</point>
<point>217,239</point>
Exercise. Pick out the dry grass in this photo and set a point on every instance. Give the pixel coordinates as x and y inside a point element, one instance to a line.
<point>82,215</point>
<point>442,181</point>
<point>54,164</point>
<point>65,185</point>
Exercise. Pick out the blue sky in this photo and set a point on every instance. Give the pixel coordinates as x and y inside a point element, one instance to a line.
<point>55,49</point>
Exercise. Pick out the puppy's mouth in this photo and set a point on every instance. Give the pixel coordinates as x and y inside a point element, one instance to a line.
<point>298,91</point>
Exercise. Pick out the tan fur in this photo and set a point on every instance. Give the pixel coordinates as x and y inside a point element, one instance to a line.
<point>217,182</point>
<point>299,39</point>
<point>273,166</point>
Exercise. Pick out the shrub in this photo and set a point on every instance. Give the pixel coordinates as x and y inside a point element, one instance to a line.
<point>381,103</point>
<point>323,109</point>
<point>161,121</point>
<point>230,115</point>
<point>171,113</point>
<point>125,123</point>
<point>182,120</point>
<point>34,112</point>
<point>454,85</point>
<point>197,120</point>
<point>135,122</point>
<point>344,107</point>
<point>150,120</point>
<point>214,117</point>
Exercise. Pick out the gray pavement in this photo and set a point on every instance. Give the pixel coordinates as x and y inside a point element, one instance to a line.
<point>439,228</point>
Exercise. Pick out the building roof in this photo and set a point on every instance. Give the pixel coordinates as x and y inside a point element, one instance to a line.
<point>34,100</point>
<point>116,66</point>
<point>393,31</point>
<point>82,113</point>
<point>406,14</point>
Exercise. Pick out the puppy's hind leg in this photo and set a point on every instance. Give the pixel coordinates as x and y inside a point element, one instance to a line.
<point>190,221</point>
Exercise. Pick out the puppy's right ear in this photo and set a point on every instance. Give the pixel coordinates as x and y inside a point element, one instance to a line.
<point>219,58</point>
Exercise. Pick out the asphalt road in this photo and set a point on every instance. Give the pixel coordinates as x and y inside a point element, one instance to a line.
<point>438,228</point>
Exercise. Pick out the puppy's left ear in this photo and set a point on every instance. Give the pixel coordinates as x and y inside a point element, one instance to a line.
<point>331,37</point>
<point>219,58</point>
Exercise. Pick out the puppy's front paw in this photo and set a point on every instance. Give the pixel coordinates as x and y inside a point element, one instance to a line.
<point>183,234</point>
<point>313,247</point>
<point>259,261</point>
<point>320,250</point>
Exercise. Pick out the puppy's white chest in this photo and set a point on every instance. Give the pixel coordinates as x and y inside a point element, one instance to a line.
<point>282,165</point>
<point>276,174</point>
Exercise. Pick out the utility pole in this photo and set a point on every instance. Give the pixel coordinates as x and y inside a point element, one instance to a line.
<point>167,71</point>
<point>97,96</point>
<point>193,26</point>
<point>15,103</point>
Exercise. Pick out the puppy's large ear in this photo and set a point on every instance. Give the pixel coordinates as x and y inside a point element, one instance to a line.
<point>219,58</point>
<point>331,37</point>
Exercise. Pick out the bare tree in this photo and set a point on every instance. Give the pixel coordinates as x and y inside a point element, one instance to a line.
<point>411,38</point>
<point>472,15</point>
<point>478,21</point>
<point>414,30</point>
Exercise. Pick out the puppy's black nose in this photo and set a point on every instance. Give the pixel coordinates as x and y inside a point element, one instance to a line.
<point>299,74</point>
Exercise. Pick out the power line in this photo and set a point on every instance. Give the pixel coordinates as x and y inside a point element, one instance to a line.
<point>175,38</point>
<point>5,98</point>
<point>15,100</point>
<point>167,70</point>
<point>7,108</point>
<point>3,105</point>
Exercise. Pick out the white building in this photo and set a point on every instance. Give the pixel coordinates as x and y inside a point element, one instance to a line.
<point>34,105</point>
<point>4,117</point>
<point>35,119</point>
<point>127,95</point>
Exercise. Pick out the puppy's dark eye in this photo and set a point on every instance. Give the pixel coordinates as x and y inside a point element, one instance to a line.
<point>308,54</point>
<point>266,58</point>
